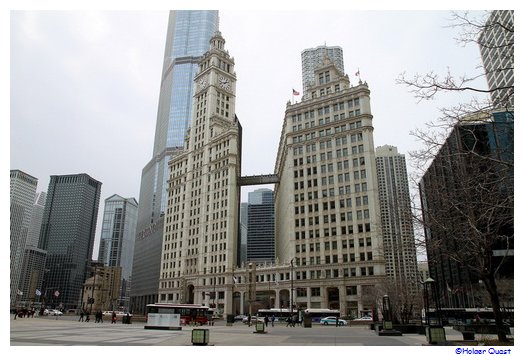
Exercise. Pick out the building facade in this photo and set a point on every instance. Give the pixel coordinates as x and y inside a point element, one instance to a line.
<point>187,39</point>
<point>200,245</point>
<point>243,232</point>
<point>313,57</point>
<point>327,201</point>
<point>22,195</point>
<point>400,252</point>
<point>261,226</point>
<point>34,258</point>
<point>467,205</point>
<point>101,291</point>
<point>496,44</point>
<point>117,239</point>
<point>68,235</point>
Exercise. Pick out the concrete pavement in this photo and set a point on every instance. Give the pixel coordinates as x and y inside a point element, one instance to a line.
<point>66,331</point>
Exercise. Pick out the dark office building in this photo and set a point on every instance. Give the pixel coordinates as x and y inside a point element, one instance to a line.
<point>467,197</point>
<point>68,234</point>
<point>261,226</point>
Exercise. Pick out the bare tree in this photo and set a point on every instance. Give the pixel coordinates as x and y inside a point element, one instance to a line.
<point>465,168</point>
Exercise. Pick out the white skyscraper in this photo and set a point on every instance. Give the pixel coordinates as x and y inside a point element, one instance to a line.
<point>200,245</point>
<point>22,195</point>
<point>397,224</point>
<point>313,57</point>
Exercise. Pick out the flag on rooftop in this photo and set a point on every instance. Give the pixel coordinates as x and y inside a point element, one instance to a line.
<point>295,92</point>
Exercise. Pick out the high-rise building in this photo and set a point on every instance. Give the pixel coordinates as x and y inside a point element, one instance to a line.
<point>496,44</point>
<point>68,235</point>
<point>22,195</point>
<point>188,37</point>
<point>327,201</point>
<point>36,219</point>
<point>400,252</point>
<point>200,249</point>
<point>243,232</point>
<point>34,258</point>
<point>467,208</point>
<point>313,57</point>
<point>117,240</point>
<point>261,226</point>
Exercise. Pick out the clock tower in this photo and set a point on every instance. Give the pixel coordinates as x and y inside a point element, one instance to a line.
<point>200,244</point>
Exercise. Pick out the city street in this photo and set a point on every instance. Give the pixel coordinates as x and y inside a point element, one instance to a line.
<point>67,331</point>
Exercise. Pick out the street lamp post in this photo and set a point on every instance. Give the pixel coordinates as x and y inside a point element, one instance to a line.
<point>434,333</point>
<point>291,294</point>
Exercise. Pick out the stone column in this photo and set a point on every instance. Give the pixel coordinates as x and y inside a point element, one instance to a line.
<point>342,300</point>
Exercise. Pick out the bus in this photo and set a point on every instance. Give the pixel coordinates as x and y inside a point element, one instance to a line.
<point>189,313</point>
<point>315,314</point>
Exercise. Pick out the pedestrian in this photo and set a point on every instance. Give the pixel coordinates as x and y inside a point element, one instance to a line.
<point>273,320</point>
<point>81,316</point>
<point>249,320</point>
<point>288,321</point>
<point>113,318</point>
<point>266,320</point>
<point>87,316</point>
<point>16,313</point>
<point>294,321</point>
<point>336,321</point>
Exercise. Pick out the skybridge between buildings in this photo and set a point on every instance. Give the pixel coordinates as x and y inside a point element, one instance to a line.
<point>259,180</point>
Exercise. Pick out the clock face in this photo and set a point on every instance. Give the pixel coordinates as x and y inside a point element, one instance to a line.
<point>224,83</point>
<point>202,82</point>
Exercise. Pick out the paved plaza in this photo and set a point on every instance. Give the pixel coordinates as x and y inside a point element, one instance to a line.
<point>67,331</point>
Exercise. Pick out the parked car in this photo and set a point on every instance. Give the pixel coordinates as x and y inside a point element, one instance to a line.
<point>54,312</point>
<point>332,320</point>
<point>239,317</point>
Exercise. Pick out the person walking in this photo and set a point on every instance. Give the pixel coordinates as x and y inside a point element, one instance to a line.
<point>336,321</point>
<point>273,320</point>
<point>81,316</point>
<point>266,320</point>
<point>87,316</point>
<point>113,318</point>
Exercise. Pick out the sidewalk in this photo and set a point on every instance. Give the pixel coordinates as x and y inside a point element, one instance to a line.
<point>68,331</point>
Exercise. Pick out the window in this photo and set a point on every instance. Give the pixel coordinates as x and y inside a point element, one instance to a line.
<point>351,290</point>
<point>315,292</point>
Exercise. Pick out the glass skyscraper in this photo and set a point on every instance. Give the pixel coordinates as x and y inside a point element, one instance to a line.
<point>68,236</point>
<point>118,237</point>
<point>22,194</point>
<point>188,36</point>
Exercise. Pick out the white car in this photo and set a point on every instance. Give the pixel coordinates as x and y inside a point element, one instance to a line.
<point>332,320</point>
<point>55,312</point>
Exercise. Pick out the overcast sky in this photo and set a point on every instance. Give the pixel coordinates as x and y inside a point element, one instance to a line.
<point>84,85</point>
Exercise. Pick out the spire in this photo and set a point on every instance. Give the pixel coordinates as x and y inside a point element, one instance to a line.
<point>217,41</point>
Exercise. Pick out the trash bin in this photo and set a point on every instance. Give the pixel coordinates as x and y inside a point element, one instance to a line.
<point>307,321</point>
<point>200,336</point>
<point>230,319</point>
<point>259,327</point>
